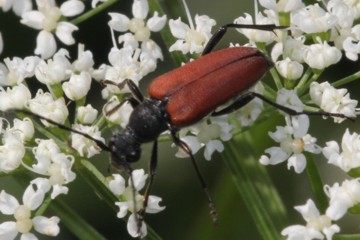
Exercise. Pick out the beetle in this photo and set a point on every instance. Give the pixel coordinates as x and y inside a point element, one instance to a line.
<point>183,97</point>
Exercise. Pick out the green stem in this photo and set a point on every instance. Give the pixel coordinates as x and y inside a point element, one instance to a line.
<point>316,183</point>
<point>346,80</point>
<point>93,12</point>
<point>76,224</point>
<point>256,189</point>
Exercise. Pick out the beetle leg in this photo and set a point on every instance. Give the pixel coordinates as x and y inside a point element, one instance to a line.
<point>152,169</point>
<point>214,40</point>
<point>132,86</point>
<point>133,102</point>
<point>247,97</point>
<point>237,104</point>
<point>181,144</point>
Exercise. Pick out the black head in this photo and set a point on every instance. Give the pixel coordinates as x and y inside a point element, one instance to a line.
<point>124,148</point>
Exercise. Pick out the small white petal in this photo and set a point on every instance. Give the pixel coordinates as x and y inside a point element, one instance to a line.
<point>33,199</point>
<point>64,32</point>
<point>72,8</point>
<point>33,19</point>
<point>8,230</point>
<point>156,23</point>
<point>8,203</point>
<point>140,8</point>
<point>45,44</point>
<point>47,226</point>
<point>119,22</point>
<point>117,185</point>
<point>132,227</point>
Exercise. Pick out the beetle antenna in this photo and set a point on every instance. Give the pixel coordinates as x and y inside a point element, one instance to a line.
<point>100,144</point>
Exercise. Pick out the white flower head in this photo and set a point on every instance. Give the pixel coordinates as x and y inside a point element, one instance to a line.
<point>293,140</point>
<point>317,225</point>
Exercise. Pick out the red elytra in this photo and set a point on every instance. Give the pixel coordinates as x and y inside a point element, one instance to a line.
<point>199,87</point>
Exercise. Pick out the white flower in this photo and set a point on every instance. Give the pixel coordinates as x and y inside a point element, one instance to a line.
<point>288,98</point>
<point>317,225</point>
<point>24,128</point>
<point>333,100</point>
<point>137,25</point>
<point>84,61</point>
<point>11,152</point>
<point>15,97</point>
<point>87,114</point>
<point>117,186</point>
<point>140,30</point>
<point>349,158</point>
<point>206,134</point>
<point>293,140</point>
<point>54,70</point>
<point>44,105</point>
<point>190,38</point>
<point>84,146</point>
<point>54,164</point>
<point>342,197</point>
<point>24,223</point>
<point>78,86</point>
<point>250,112</point>
<point>17,70</point>
<point>321,55</point>
<point>313,19</point>
<point>290,70</point>
<point>46,19</point>
<point>254,35</point>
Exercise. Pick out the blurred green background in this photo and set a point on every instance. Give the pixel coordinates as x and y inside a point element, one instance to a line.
<point>186,215</point>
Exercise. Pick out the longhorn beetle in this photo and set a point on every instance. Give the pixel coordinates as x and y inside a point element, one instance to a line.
<point>184,96</point>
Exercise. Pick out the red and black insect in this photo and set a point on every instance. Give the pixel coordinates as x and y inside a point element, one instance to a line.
<point>184,96</point>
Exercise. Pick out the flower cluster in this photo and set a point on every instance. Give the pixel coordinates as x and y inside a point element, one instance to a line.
<point>311,39</point>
